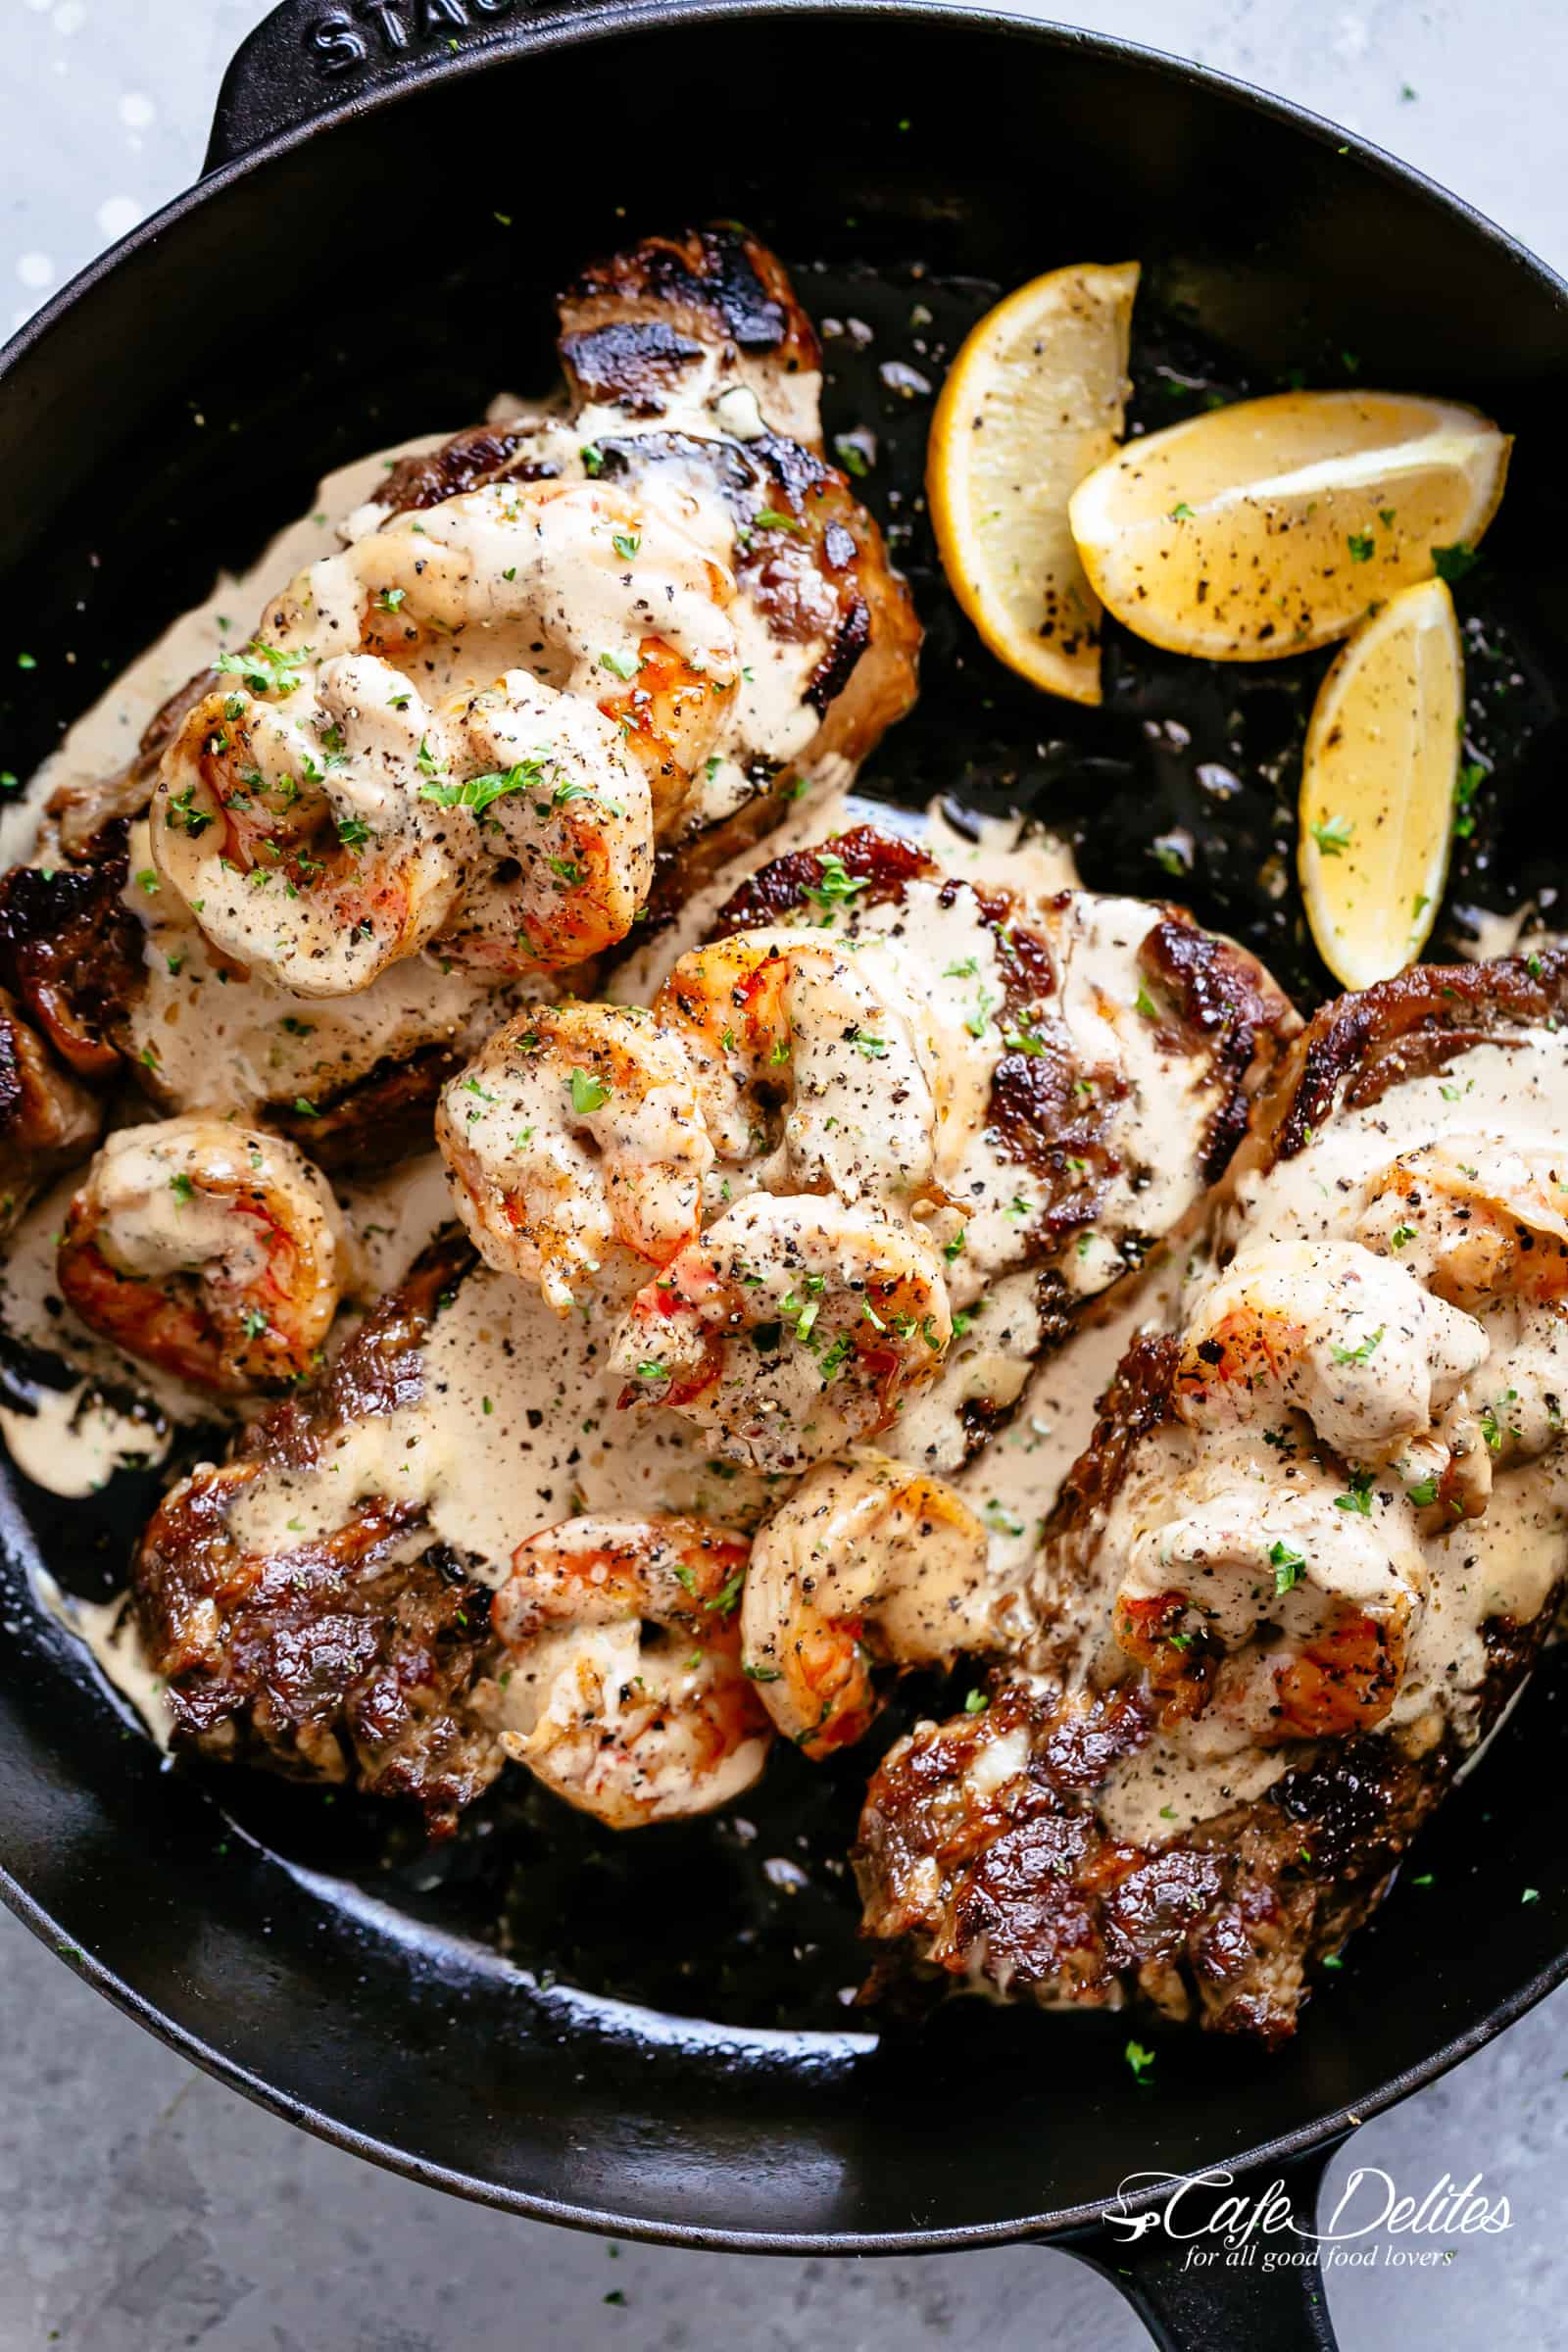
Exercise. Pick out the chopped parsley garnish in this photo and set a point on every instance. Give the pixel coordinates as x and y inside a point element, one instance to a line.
<point>253,1323</point>
<point>1361,545</point>
<point>1287,1566</point>
<point>263,668</point>
<point>977,1704</point>
<point>182,1188</point>
<point>834,884</point>
<point>954,1248</point>
<point>1141,2060</point>
<point>1360,1497</point>
<point>479,792</point>
<point>1401,1237</point>
<point>1145,1003</point>
<point>1471,777</point>
<point>626,543</point>
<point>620,665</point>
<point>306,1107</point>
<point>1423,1493</point>
<point>353,832</point>
<point>1452,563</point>
<point>1333,835</point>
<point>773,518</point>
<point>761,1674</point>
<point>1007,1523</point>
<point>874,1048</point>
<point>1181,512</point>
<point>389,599</point>
<point>588,1094</point>
<point>1362,1352</point>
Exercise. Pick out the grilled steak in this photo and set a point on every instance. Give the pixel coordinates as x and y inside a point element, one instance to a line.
<point>347,1657</point>
<point>1327,1677</point>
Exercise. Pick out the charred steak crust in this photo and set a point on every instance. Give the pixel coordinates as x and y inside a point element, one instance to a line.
<point>349,1658</point>
<point>630,322</point>
<point>1405,1028</point>
<point>70,950</point>
<point>73,953</point>
<point>1020,1884</point>
<point>1211,1001</point>
<point>47,1118</point>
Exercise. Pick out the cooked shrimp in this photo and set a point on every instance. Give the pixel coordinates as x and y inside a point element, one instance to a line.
<point>213,1252</point>
<point>623,1691</point>
<point>1477,1218</point>
<point>564,850</point>
<point>1288,1616</point>
<point>793,1328</point>
<point>576,1130</point>
<point>300,842</point>
<point>867,1561</point>
<point>530,674</point>
<point>784,1024</point>
<point>1351,1339</point>
<point>590,590</point>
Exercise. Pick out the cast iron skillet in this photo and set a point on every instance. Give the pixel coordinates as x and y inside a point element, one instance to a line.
<point>341,277</point>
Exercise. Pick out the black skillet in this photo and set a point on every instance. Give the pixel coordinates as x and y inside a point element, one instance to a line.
<point>394,189</point>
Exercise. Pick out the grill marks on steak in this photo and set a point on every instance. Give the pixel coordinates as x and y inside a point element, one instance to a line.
<point>349,1658</point>
<point>1405,1028</point>
<point>631,326</point>
<point>47,1119</point>
<point>1058,1119</point>
<point>1014,1880</point>
<point>1020,1888</point>
<point>72,952</point>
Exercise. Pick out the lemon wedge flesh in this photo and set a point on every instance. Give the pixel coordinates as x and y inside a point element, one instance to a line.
<point>1035,399</point>
<point>1262,529</point>
<point>1378,784</point>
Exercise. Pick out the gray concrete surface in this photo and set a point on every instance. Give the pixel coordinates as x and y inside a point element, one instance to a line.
<point>146,2208</point>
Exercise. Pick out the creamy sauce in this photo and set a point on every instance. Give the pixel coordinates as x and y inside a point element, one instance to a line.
<point>517,1428</point>
<point>1411,1391</point>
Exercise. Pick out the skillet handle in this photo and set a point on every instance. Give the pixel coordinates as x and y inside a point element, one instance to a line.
<point>309,56</point>
<point>1195,2292</point>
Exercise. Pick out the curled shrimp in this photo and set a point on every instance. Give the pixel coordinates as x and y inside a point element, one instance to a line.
<point>216,1253</point>
<point>1477,1218</point>
<point>793,1328</point>
<point>1289,1622</point>
<point>867,1562</point>
<point>576,1131</point>
<point>477,720</point>
<point>297,838</point>
<point>809,1077</point>
<point>591,590</point>
<point>1347,1338</point>
<point>564,846</point>
<point>624,1687</point>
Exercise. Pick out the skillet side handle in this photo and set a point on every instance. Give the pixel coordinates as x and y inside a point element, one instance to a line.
<point>1270,2292</point>
<point>312,55</point>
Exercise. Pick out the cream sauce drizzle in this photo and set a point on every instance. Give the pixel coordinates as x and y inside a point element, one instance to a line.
<point>1502,1564</point>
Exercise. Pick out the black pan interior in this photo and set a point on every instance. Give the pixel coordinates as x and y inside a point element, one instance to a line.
<point>677,2055</point>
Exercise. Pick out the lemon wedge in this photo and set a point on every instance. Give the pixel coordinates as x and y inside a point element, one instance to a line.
<point>1378,783</point>
<point>1273,525</point>
<point>1034,401</point>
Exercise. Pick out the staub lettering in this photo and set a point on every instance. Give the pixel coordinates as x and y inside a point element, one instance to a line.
<point>344,38</point>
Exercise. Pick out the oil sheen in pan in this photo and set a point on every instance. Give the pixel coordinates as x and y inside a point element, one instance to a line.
<point>1181,785</point>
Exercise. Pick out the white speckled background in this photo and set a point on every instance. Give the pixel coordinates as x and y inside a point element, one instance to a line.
<point>144,2207</point>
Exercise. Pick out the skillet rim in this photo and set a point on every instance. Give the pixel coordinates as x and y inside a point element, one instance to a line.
<point>564,31</point>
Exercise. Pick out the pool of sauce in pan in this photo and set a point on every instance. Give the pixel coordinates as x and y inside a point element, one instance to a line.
<point>1183,785</point>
